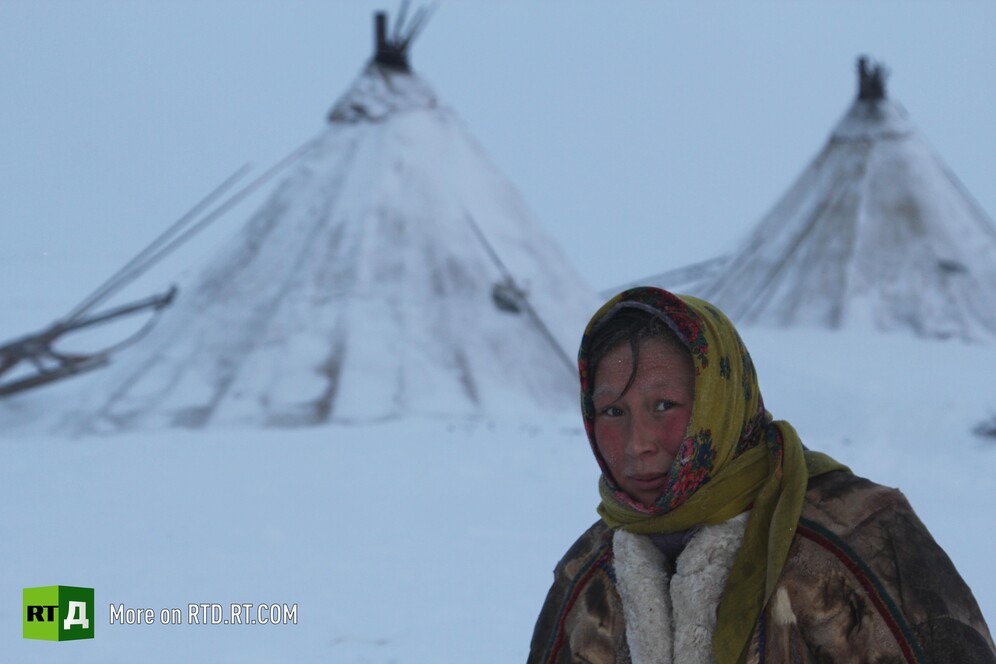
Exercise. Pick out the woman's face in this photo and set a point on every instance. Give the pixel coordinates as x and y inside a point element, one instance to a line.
<point>638,433</point>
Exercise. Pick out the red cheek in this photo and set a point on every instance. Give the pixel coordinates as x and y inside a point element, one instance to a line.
<point>610,441</point>
<point>673,437</point>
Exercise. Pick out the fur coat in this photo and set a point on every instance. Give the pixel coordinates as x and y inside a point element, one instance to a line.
<point>864,582</point>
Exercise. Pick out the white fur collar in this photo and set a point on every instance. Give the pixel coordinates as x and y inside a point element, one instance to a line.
<point>672,619</point>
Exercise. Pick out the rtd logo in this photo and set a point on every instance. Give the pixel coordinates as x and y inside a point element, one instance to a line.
<point>57,613</point>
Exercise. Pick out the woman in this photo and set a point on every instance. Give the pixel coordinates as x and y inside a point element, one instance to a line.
<point>722,539</point>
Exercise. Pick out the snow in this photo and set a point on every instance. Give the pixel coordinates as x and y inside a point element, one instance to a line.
<point>433,539</point>
<point>379,92</point>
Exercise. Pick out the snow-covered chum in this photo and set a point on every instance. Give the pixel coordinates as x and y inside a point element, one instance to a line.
<point>722,538</point>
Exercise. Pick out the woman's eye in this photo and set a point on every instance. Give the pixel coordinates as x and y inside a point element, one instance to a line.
<point>665,405</point>
<point>612,411</point>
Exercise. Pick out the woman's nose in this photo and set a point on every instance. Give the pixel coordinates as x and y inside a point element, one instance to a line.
<point>642,437</point>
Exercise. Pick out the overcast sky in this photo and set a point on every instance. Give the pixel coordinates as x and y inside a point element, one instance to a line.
<point>643,135</point>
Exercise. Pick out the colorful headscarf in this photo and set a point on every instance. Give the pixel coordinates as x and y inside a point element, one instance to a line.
<point>734,457</point>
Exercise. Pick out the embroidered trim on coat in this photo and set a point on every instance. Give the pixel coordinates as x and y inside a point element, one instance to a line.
<point>883,602</point>
<point>597,561</point>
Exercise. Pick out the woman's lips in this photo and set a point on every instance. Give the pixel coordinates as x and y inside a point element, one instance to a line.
<point>648,481</point>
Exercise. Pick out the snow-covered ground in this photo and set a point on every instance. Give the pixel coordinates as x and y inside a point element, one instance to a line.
<point>433,540</point>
